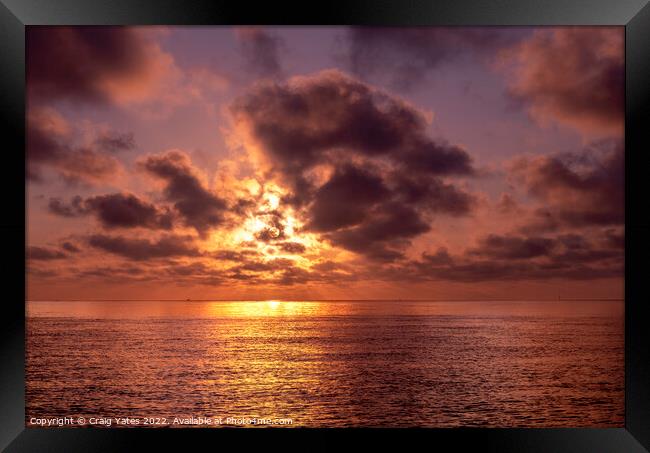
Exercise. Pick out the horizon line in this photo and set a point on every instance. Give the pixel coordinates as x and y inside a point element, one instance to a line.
<point>593,299</point>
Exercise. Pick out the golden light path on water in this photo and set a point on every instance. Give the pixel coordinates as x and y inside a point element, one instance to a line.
<point>334,363</point>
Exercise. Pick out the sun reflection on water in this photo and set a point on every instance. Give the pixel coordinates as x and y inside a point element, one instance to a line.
<point>329,363</point>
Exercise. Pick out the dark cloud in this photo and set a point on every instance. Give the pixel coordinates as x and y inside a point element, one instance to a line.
<point>85,63</point>
<point>156,261</point>
<point>512,257</point>
<point>577,189</point>
<point>408,55</point>
<point>295,248</point>
<point>261,51</point>
<point>515,248</point>
<point>440,257</point>
<point>432,194</point>
<point>44,253</point>
<point>265,266</point>
<point>144,249</point>
<point>327,266</point>
<point>233,255</point>
<point>303,123</point>
<point>250,270</point>
<point>345,199</point>
<point>115,141</point>
<point>73,209</point>
<point>589,256</point>
<point>119,210</point>
<point>507,271</point>
<point>382,237</point>
<point>70,247</point>
<point>192,269</point>
<point>260,271</point>
<point>49,145</point>
<point>198,207</point>
<point>358,210</point>
<point>574,75</point>
<point>437,159</point>
<point>128,211</point>
<point>285,272</point>
<point>381,162</point>
<point>296,276</point>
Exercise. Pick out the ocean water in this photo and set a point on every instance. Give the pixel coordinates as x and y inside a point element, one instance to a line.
<point>329,364</point>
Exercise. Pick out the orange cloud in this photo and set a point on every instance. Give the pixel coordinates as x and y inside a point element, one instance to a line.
<point>574,76</point>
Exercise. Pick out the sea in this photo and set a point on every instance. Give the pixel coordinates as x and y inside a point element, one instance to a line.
<point>371,363</point>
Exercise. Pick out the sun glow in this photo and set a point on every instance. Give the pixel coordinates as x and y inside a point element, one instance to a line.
<point>273,232</point>
<point>270,218</point>
<point>272,200</point>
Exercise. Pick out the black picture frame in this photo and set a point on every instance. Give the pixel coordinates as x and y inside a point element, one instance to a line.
<point>634,15</point>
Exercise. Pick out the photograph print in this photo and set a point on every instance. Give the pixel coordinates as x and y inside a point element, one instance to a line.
<point>324,227</point>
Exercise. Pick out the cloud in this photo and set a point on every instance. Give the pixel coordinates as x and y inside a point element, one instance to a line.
<point>114,141</point>
<point>346,199</point>
<point>432,194</point>
<point>145,249</point>
<point>233,255</point>
<point>116,274</point>
<point>507,271</point>
<point>42,273</point>
<point>44,254</point>
<point>384,234</point>
<point>354,167</point>
<point>513,248</point>
<point>264,266</point>
<point>515,257</point>
<point>73,209</point>
<point>50,145</point>
<point>70,247</point>
<point>197,206</point>
<point>86,166</point>
<point>614,238</point>
<point>572,75</point>
<point>573,241</point>
<point>350,156</point>
<point>437,159</point>
<point>306,121</point>
<point>94,64</point>
<point>119,210</point>
<point>507,205</point>
<point>295,248</point>
<point>261,51</point>
<point>408,55</point>
<point>439,258</point>
<point>576,189</point>
<point>283,272</point>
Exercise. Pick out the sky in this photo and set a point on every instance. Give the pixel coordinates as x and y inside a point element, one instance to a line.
<point>325,163</point>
